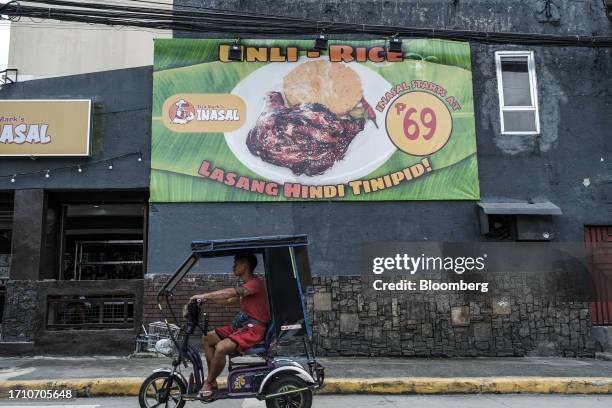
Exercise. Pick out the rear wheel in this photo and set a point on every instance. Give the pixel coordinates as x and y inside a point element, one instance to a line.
<point>154,392</point>
<point>302,399</point>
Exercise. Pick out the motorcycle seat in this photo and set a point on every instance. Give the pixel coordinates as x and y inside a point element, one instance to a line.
<point>256,349</point>
<point>261,348</point>
<point>248,360</point>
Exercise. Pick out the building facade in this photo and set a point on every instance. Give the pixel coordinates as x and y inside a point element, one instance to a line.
<point>556,153</point>
<point>41,49</point>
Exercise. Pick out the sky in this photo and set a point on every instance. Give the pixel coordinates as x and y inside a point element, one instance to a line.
<point>4,41</point>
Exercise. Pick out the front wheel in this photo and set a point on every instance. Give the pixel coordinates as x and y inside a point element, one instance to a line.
<point>161,391</point>
<point>302,399</point>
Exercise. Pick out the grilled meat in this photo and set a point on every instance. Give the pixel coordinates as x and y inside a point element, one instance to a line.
<point>306,138</point>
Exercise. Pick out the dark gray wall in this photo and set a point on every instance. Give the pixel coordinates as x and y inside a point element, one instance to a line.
<point>574,94</point>
<point>584,17</point>
<point>121,124</point>
<point>574,145</point>
<point>29,218</point>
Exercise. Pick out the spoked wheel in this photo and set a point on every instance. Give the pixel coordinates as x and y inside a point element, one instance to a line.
<point>154,391</point>
<point>302,399</point>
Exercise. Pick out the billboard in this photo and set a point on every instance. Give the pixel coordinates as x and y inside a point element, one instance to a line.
<point>288,122</point>
<point>45,127</point>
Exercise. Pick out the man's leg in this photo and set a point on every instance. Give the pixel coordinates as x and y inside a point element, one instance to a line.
<point>217,363</point>
<point>209,342</point>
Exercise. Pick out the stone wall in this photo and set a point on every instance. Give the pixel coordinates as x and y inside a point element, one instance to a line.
<point>350,320</point>
<point>25,317</point>
<point>21,302</point>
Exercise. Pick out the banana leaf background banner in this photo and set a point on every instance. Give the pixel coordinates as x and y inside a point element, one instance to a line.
<point>288,122</point>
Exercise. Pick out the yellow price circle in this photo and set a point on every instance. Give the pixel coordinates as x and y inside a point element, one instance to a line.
<point>419,123</point>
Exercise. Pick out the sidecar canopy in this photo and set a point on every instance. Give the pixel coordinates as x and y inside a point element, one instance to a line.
<point>287,276</point>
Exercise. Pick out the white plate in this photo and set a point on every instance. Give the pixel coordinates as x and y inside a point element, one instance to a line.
<point>368,150</point>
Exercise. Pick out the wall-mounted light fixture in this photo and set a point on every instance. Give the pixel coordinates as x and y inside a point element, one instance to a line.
<point>235,51</point>
<point>395,44</point>
<point>321,42</point>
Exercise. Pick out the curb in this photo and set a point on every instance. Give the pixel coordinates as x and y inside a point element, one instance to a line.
<point>606,356</point>
<point>129,386</point>
<point>470,385</point>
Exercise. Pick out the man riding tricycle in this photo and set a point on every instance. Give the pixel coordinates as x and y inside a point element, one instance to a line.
<point>272,312</point>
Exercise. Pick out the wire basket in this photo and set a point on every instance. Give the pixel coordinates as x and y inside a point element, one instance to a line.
<point>145,342</point>
<point>164,330</point>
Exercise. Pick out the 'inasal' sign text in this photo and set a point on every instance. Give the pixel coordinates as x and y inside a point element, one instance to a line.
<point>45,127</point>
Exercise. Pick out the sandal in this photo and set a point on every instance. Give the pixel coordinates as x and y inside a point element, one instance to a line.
<point>208,393</point>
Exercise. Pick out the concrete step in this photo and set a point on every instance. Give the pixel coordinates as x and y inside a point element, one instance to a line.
<point>604,356</point>
<point>16,348</point>
<point>602,337</point>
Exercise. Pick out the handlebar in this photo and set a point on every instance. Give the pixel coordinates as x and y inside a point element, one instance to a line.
<point>192,315</point>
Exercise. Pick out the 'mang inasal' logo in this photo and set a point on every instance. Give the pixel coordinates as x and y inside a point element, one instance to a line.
<point>204,112</point>
<point>182,112</point>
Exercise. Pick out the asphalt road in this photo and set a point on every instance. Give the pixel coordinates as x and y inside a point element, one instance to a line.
<point>364,401</point>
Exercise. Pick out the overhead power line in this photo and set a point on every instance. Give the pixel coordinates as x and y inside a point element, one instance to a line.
<point>243,24</point>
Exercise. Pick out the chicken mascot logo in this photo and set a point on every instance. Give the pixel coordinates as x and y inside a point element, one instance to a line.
<point>182,112</point>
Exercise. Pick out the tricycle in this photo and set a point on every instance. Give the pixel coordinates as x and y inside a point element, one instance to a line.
<point>281,382</point>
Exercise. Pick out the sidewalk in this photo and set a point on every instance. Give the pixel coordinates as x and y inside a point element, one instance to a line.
<point>97,376</point>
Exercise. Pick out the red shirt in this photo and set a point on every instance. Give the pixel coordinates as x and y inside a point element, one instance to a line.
<point>256,303</point>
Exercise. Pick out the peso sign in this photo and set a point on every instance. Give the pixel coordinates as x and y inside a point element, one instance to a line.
<point>288,122</point>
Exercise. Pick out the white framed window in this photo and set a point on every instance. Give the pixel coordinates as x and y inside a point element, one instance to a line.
<point>518,93</point>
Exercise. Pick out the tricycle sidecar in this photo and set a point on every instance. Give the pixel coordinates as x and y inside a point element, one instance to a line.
<point>261,374</point>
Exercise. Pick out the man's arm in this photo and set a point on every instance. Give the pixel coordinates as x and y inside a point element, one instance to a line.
<point>242,291</point>
<point>230,301</point>
<point>223,296</point>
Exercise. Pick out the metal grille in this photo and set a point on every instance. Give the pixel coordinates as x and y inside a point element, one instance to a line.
<point>2,297</point>
<point>5,264</point>
<point>90,312</point>
<point>6,218</point>
<point>599,249</point>
<point>110,259</point>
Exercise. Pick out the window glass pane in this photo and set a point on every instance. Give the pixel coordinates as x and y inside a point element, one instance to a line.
<point>515,81</point>
<point>519,121</point>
